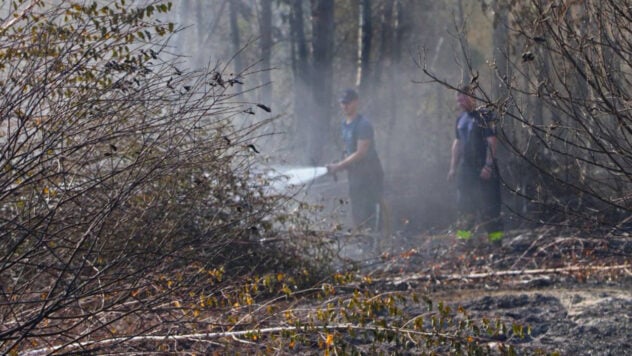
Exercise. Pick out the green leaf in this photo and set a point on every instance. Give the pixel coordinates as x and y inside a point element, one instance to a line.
<point>464,234</point>
<point>495,236</point>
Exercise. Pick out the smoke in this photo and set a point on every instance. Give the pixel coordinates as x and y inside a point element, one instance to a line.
<point>413,123</point>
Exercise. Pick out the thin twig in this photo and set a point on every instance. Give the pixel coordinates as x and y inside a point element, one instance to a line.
<point>17,17</point>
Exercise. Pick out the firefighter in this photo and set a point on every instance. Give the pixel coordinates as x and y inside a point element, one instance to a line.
<point>361,161</point>
<point>473,163</point>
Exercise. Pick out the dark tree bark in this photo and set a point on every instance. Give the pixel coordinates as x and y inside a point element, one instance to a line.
<point>465,48</point>
<point>301,69</point>
<point>386,49</point>
<point>364,40</point>
<point>323,38</point>
<point>501,49</point>
<point>401,25</point>
<point>300,55</point>
<point>501,78</point>
<point>397,31</point>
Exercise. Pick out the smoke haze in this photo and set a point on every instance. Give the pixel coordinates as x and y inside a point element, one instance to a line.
<point>413,121</point>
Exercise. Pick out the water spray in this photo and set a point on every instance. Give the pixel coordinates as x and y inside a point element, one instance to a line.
<point>295,176</point>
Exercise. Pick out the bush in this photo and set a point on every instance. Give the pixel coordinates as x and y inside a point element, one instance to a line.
<point>124,178</point>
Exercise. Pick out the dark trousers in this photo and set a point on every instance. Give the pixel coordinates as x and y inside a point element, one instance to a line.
<point>365,193</point>
<point>478,199</point>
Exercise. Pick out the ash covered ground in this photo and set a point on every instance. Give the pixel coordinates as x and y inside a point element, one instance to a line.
<point>573,291</point>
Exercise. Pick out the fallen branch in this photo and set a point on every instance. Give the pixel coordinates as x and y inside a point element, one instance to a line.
<point>480,275</point>
<point>235,334</point>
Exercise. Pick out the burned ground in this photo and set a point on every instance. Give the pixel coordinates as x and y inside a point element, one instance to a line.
<point>570,290</point>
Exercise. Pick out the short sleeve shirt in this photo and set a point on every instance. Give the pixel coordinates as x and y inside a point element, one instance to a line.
<point>360,129</point>
<point>472,129</point>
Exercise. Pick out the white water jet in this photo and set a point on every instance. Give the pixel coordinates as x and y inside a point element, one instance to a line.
<point>287,177</point>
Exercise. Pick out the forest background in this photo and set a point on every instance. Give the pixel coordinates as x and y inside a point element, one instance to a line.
<point>306,52</point>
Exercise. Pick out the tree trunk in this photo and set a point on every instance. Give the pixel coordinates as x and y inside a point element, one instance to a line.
<point>386,49</point>
<point>265,27</point>
<point>501,78</point>
<point>303,103</point>
<point>397,33</point>
<point>364,49</point>
<point>465,48</point>
<point>401,25</point>
<point>323,32</point>
<point>235,35</point>
<point>300,56</point>
<point>501,50</point>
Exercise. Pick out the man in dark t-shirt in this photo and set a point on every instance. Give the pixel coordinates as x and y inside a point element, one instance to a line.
<point>366,177</point>
<point>473,163</point>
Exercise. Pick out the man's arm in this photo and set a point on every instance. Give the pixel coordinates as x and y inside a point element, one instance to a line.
<point>361,151</point>
<point>454,159</point>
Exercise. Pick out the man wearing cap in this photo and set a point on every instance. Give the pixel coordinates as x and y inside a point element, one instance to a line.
<point>366,177</point>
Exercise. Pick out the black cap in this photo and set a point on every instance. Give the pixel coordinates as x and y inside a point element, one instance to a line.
<point>348,95</point>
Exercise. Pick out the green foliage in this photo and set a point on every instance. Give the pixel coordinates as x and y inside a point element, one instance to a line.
<point>495,236</point>
<point>464,234</point>
<point>268,312</point>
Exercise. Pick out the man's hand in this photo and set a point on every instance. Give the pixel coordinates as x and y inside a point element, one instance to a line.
<point>332,168</point>
<point>486,172</point>
<point>451,174</point>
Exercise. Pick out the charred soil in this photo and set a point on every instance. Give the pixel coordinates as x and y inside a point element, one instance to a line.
<point>570,291</point>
